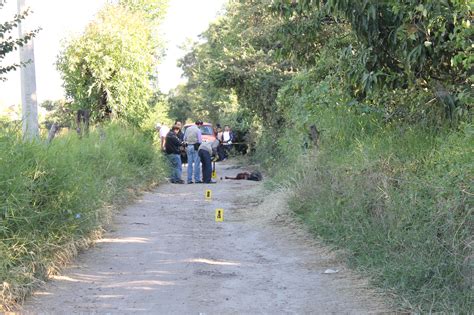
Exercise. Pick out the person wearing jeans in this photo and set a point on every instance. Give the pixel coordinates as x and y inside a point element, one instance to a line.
<point>172,148</point>
<point>207,150</point>
<point>193,164</point>
<point>193,138</point>
<point>176,169</point>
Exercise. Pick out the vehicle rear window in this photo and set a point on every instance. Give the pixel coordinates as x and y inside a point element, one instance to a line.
<point>206,130</point>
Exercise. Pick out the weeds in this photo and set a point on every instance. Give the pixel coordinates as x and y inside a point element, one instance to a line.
<point>400,205</point>
<point>54,198</point>
<point>395,196</point>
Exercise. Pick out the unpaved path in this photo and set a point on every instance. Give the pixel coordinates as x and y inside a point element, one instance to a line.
<point>167,255</point>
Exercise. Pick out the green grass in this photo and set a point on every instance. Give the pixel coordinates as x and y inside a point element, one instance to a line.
<point>54,196</point>
<point>399,203</point>
<point>393,192</point>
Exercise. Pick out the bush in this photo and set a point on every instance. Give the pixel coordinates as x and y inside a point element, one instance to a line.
<point>52,196</point>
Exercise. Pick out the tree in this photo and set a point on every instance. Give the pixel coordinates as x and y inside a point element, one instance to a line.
<point>180,105</point>
<point>108,70</point>
<point>372,49</point>
<point>152,9</point>
<point>254,49</point>
<point>402,43</point>
<point>9,44</point>
<point>238,55</point>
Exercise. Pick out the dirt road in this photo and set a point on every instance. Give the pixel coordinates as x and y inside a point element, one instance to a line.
<point>167,255</point>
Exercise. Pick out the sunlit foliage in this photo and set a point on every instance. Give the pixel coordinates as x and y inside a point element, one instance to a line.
<point>108,70</point>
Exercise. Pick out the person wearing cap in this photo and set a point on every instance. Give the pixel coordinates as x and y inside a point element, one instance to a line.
<point>207,150</point>
<point>193,139</point>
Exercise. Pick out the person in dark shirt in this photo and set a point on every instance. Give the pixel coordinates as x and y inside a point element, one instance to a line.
<point>180,134</point>
<point>173,150</point>
<point>184,157</point>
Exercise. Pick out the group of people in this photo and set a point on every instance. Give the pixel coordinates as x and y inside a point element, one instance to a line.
<point>200,154</point>
<point>226,139</point>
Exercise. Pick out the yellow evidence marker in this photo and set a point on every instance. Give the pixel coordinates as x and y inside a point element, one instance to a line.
<point>208,195</point>
<point>219,215</point>
<point>214,174</point>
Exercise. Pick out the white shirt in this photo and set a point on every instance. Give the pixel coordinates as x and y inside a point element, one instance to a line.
<point>226,136</point>
<point>164,131</point>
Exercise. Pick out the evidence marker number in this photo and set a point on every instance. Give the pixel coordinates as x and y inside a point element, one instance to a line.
<point>219,215</point>
<point>208,194</point>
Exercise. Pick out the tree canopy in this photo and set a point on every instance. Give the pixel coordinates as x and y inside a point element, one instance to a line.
<point>257,46</point>
<point>109,69</point>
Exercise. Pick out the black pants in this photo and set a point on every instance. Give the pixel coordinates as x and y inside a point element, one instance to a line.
<point>220,152</point>
<point>206,165</point>
<point>226,149</point>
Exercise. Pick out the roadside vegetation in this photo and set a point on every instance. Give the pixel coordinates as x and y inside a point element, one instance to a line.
<point>364,110</point>
<point>56,197</point>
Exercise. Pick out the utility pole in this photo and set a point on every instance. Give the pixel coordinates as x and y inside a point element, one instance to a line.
<point>28,81</point>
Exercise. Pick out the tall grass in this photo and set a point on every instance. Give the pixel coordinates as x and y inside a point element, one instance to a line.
<point>405,219</point>
<point>53,196</point>
<point>400,204</point>
<point>396,196</point>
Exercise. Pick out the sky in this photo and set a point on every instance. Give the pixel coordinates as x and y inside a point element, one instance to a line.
<point>60,19</point>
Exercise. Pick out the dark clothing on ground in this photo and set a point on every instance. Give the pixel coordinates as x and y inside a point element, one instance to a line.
<point>172,144</point>
<point>206,165</point>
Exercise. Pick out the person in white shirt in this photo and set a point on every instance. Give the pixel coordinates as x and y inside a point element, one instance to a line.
<point>227,138</point>
<point>163,131</point>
